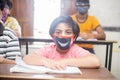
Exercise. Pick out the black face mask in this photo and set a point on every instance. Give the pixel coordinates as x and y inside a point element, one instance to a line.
<point>83,9</point>
<point>63,43</point>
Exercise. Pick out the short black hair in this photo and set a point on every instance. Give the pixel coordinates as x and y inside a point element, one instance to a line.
<point>9,3</point>
<point>2,4</point>
<point>64,19</point>
<point>83,1</point>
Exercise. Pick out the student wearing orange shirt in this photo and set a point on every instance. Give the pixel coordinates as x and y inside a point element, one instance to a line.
<point>87,24</point>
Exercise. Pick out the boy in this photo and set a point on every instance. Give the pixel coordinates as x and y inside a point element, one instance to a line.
<point>87,24</point>
<point>64,52</point>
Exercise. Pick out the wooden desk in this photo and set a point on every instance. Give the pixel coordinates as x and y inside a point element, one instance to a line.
<point>88,74</point>
<point>109,46</point>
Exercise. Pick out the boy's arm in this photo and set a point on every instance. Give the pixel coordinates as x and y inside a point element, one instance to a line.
<point>6,61</point>
<point>34,59</point>
<point>89,61</point>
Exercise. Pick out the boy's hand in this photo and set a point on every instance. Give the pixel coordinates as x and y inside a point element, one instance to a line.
<point>86,36</point>
<point>54,65</point>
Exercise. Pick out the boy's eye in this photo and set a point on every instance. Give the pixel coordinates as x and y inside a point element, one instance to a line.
<point>57,32</point>
<point>69,32</point>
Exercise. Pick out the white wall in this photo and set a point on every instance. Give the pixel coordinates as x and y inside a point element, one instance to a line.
<point>107,11</point>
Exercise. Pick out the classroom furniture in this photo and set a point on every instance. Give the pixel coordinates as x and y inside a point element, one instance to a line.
<point>109,46</point>
<point>87,74</point>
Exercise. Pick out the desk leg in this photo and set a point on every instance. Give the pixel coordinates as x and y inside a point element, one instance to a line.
<point>110,57</point>
<point>26,48</point>
<point>106,57</point>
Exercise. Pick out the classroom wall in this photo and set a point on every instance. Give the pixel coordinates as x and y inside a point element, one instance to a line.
<point>107,11</point>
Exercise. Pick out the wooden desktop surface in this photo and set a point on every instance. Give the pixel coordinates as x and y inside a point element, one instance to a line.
<point>88,74</point>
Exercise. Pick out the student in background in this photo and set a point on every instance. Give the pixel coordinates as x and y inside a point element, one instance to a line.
<point>87,24</point>
<point>9,44</point>
<point>10,21</point>
<point>64,52</point>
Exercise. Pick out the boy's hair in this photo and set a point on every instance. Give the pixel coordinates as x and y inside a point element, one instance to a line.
<point>64,19</point>
<point>9,3</point>
<point>2,4</point>
<point>5,2</point>
<point>82,1</point>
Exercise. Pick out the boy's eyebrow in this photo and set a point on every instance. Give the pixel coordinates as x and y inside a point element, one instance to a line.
<point>57,30</point>
<point>65,30</point>
<point>69,29</point>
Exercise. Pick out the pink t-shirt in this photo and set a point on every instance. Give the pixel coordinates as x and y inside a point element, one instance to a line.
<point>51,53</point>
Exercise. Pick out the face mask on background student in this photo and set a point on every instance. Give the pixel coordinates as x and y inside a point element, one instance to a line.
<point>83,9</point>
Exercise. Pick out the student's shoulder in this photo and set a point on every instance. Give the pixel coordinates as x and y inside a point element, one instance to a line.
<point>10,19</point>
<point>92,17</point>
<point>50,46</point>
<point>74,15</point>
<point>76,47</point>
<point>9,31</point>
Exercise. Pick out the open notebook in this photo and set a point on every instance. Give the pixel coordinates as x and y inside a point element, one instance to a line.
<point>81,39</point>
<point>22,67</point>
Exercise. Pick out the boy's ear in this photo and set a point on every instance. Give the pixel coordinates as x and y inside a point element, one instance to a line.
<point>74,38</point>
<point>53,38</point>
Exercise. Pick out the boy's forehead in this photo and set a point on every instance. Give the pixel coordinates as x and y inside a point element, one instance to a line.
<point>63,26</point>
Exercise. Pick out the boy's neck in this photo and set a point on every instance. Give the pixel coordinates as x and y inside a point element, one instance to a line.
<point>81,18</point>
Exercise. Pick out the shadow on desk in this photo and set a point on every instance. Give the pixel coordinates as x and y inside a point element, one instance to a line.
<point>88,74</point>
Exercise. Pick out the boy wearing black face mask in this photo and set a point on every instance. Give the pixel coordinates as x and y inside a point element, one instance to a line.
<point>87,24</point>
<point>64,52</point>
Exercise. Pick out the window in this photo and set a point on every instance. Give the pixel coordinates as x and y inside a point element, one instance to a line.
<point>45,12</point>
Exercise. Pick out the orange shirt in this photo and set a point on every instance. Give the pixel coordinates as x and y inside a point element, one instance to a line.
<point>88,26</point>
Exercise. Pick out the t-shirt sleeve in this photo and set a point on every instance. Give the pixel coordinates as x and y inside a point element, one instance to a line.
<point>80,52</point>
<point>41,51</point>
<point>96,23</point>
<point>13,24</point>
<point>45,51</point>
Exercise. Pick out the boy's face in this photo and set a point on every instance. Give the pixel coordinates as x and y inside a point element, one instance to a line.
<point>63,30</point>
<point>7,10</point>
<point>82,8</point>
<point>63,37</point>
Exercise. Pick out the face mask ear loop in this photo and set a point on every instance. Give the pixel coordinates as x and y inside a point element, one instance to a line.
<point>72,39</point>
<point>53,36</point>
